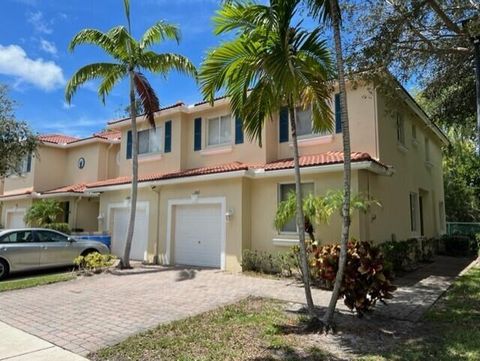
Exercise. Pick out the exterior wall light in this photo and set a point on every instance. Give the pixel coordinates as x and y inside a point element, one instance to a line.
<point>229,215</point>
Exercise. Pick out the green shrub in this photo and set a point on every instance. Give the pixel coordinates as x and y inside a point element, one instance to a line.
<point>94,262</point>
<point>402,255</point>
<point>366,279</point>
<point>263,262</point>
<point>61,227</point>
<point>476,245</point>
<point>458,246</point>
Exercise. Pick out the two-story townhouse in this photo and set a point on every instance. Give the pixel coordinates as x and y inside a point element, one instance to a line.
<point>60,169</point>
<point>207,192</point>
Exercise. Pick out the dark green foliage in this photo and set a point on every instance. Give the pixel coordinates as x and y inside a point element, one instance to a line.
<point>459,246</point>
<point>263,262</point>
<point>61,227</point>
<point>401,255</point>
<point>366,280</point>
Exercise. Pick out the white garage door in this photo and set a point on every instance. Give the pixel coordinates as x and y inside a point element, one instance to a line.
<point>15,219</point>
<point>198,235</point>
<point>140,234</point>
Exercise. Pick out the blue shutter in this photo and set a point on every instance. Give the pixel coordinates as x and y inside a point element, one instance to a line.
<point>168,136</point>
<point>29,163</point>
<point>197,135</point>
<point>238,130</point>
<point>338,114</point>
<point>283,125</point>
<point>129,144</point>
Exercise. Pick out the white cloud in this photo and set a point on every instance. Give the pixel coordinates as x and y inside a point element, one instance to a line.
<point>48,47</point>
<point>43,74</point>
<point>39,23</point>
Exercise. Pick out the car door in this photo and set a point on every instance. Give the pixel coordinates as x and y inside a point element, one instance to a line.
<point>56,249</point>
<point>20,250</point>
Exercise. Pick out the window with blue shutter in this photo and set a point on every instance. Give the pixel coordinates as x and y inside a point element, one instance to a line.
<point>338,114</point>
<point>29,163</point>
<point>197,141</point>
<point>283,125</point>
<point>238,130</point>
<point>129,144</point>
<point>168,137</point>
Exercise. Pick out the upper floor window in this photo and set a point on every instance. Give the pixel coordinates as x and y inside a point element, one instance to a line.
<point>219,130</point>
<point>150,141</point>
<point>427,149</point>
<point>400,128</point>
<point>25,166</point>
<point>284,191</point>
<point>304,121</point>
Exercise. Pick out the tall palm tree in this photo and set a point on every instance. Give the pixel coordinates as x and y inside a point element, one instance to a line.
<point>329,12</point>
<point>270,63</point>
<point>131,57</point>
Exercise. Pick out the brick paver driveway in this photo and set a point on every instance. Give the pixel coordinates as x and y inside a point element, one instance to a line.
<point>90,313</point>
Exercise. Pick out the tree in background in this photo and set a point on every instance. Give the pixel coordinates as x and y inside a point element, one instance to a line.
<point>131,58</point>
<point>271,62</point>
<point>17,141</point>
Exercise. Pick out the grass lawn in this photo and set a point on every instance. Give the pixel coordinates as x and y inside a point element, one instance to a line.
<point>260,329</point>
<point>35,281</point>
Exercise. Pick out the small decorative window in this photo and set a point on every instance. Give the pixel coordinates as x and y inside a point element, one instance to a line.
<point>284,191</point>
<point>219,130</point>
<point>81,163</point>
<point>400,128</point>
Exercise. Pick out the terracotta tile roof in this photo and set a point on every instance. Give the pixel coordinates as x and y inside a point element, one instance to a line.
<point>317,159</point>
<point>57,138</point>
<point>18,192</point>
<point>305,161</point>
<point>109,135</point>
<point>178,104</point>
<point>74,188</point>
<point>224,168</point>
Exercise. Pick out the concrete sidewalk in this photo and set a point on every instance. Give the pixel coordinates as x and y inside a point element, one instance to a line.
<point>16,345</point>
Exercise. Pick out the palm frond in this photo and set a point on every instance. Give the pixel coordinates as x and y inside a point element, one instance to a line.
<point>87,73</point>
<point>126,7</point>
<point>148,97</point>
<point>110,80</point>
<point>322,10</point>
<point>159,32</point>
<point>166,62</point>
<point>97,38</point>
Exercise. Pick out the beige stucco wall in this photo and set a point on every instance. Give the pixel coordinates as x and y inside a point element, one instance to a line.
<point>7,206</point>
<point>411,174</point>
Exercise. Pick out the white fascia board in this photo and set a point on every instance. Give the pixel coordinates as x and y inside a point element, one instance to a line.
<point>67,194</point>
<point>142,119</point>
<point>80,143</point>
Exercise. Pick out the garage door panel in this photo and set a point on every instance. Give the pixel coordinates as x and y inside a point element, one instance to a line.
<point>15,220</point>
<point>198,235</point>
<point>140,233</point>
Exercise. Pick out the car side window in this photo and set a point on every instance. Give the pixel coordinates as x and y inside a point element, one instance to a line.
<point>17,237</point>
<point>47,236</point>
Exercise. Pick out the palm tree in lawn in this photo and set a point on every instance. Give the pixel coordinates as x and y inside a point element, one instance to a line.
<point>271,62</point>
<point>131,57</point>
<point>329,12</point>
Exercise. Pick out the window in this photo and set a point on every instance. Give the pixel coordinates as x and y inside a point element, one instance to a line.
<point>150,141</point>
<point>427,149</point>
<point>400,129</point>
<point>284,191</point>
<point>219,130</point>
<point>441,215</point>
<point>25,166</point>
<point>413,211</point>
<point>17,237</point>
<point>304,121</point>
<point>47,236</point>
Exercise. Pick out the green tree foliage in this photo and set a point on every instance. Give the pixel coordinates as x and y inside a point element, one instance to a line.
<point>43,212</point>
<point>17,141</point>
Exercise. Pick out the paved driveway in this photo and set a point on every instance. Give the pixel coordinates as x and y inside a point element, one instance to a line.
<point>90,313</point>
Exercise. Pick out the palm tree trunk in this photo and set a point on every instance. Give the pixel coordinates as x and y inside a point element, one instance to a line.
<point>125,261</point>
<point>299,215</point>
<point>328,318</point>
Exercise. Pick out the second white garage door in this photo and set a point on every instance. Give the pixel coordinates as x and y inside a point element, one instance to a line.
<point>140,235</point>
<point>15,219</point>
<point>198,235</point>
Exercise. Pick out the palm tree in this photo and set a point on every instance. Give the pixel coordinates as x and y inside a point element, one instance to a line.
<point>131,57</point>
<point>329,12</point>
<point>270,63</point>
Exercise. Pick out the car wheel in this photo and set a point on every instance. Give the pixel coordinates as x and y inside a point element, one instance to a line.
<point>4,269</point>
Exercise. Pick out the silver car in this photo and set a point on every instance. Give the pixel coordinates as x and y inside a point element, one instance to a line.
<point>36,248</point>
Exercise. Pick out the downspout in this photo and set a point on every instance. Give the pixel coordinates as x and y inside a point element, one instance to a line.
<point>156,255</point>
<point>375,105</point>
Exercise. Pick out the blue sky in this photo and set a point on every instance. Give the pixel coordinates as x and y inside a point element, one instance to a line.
<point>35,63</point>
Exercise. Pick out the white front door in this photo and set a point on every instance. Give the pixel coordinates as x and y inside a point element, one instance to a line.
<point>15,220</point>
<point>140,234</point>
<point>198,235</point>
